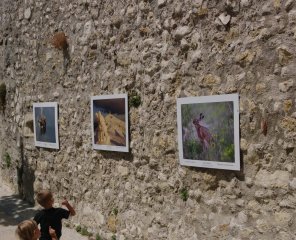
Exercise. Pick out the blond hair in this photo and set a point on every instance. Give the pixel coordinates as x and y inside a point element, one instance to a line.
<point>43,197</point>
<point>26,230</point>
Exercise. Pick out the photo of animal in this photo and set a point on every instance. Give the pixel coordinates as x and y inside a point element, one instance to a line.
<point>45,125</point>
<point>208,131</point>
<point>203,132</point>
<point>42,123</point>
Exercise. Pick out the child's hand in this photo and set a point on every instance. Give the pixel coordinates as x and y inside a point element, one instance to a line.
<point>52,232</point>
<point>65,202</point>
<point>68,205</point>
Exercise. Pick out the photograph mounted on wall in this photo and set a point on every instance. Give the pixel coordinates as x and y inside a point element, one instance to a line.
<point>45,118</point>
<point>109,120</point>
<point>208,131</point>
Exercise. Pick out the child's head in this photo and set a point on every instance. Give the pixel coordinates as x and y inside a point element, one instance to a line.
<point>45,198</point>
<point>28,230</point>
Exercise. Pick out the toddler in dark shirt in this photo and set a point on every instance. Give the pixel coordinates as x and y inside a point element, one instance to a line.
<point>50,216</point>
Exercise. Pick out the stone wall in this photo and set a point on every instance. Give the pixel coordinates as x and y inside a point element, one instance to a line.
<point>162,49</point>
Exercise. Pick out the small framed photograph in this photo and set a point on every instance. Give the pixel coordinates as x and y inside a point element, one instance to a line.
<point>45,120</point>
<point>208,131</point>
<point>109,121</point>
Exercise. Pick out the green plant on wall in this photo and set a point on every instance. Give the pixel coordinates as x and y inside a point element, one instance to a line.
<point>134,99</point>
<point>78,228</point>
<point>113,237</point>
<point>115,211</point>
<point>184,194</point>
<point>83,231</point>
<point>98,237</point>
<point>7,160</point>
<point>2,96</point>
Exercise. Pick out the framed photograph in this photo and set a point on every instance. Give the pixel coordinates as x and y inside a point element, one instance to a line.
<point>109,121</point>
<point>208,131</point>
<point>45,120</point>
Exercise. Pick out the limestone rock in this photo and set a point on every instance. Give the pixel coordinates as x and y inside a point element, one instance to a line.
<point>277,179</point>
<point>288,124</point>
<point>283,219</point>
<point>284,54</point>
<point>27,13</point>
<point>289,5</point>
<point>286,86</point>
<point>288,203</point>
<point>123,171</point>
<point>161,3</point>
<point>194,56</point>
<point>56,94</point>
<point>21,13</point>
<point>210,80</point>
<point>277,4</point>
<point>284,235</point>
<point>245,57</point>
<point>87,30</point>
<point>267,8</point>
<point>292,184</point>
<point>288,71</point>
<point>246,3</point>
<point>243,144</point>
<point>262,226</point>
<point>224,18</point>
<point>181,32</point>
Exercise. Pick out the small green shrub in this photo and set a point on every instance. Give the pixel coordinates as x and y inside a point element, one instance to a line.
<point>115,211</point>
<point>134,99</point>
<point>184,194</point>
<point>84,232</point>
<point>113,237</point>
<point>98,237</point>
<point>7,160</point>
<point>78,228</point>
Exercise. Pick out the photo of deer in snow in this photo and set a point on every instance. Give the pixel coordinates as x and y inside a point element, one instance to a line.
<point>208,131</point>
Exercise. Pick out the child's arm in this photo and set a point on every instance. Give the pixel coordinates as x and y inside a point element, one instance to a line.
<point>70,208</point>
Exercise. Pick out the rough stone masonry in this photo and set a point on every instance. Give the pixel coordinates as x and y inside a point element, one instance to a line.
<point>162,49</point>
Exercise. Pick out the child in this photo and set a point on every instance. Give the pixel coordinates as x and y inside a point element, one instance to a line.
<point>50,216</point>
<point>28,230</point>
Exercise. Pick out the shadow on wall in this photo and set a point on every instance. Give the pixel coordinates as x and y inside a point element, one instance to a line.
<point>25,177</point>
<point>13,210</point>
<point>25,182</point>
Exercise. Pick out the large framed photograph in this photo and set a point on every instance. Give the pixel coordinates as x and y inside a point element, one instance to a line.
<point>208,131</point>
<point>109,120</point>
<point>45,120</point>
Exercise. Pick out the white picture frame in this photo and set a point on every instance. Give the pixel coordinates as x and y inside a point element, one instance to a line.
<point>109,122</point>
<point>45,120</point>
<point>208,131</point>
